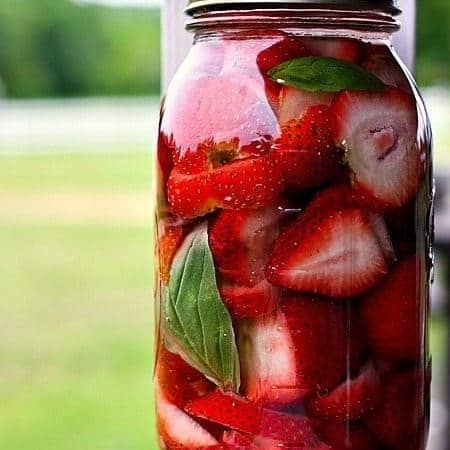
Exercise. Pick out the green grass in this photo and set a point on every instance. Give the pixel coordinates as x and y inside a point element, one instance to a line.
<point>76,306</point>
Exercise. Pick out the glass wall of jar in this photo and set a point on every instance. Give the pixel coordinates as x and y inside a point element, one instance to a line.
<point>294,231</point>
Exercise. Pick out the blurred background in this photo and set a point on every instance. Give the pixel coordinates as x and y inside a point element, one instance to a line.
<point>79,93</point>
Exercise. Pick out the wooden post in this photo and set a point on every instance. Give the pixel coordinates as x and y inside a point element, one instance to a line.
<point>176,40</point>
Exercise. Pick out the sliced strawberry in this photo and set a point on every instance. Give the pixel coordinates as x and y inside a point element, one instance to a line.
<point>190,195</point>
<point>278,430</point>
<point>247,183</point>
<point>288,48</point>
<point>295,102</point>
<point>379,131</point>
<point>346,436</point>
<point>228,410</point>
<point>331,250</point>
<point>177,429</point>
<point>177,381</point>
<point>399,419</point>
<point>306,152</point>
<point>391,313</point>
<point>235,412</point>
<point>250,302</point>
<point>344,49</point>
<point>241,241</point>
<point>167,247</point>
<point>351,400</point>
<point>384,66</point>
<point>250,183</point>
<point>238,439</point>
<point>166,148</point>
<point>220,109</point>
<point>282,357</point>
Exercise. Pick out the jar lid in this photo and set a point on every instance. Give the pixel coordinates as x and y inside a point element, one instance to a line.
<point>388,6</point>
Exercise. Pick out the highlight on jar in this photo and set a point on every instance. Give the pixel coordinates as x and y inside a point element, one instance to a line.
<point>293,244</point>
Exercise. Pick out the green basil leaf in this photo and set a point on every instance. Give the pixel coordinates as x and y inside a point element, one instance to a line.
<point>195,320</point>
<point>324,74</point>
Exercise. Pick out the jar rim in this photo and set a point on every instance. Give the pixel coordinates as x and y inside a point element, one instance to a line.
<point>385,6</point>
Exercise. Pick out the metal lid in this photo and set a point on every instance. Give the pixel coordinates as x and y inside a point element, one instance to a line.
<point>387,6</point>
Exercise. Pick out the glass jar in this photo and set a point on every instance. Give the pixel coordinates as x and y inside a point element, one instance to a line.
<point>294,227</point>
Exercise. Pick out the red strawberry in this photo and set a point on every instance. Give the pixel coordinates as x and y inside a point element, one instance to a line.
<point>378,130</point>
<point>351,399</point>
<point>331,250</point>
<point>241,241</point>
<point>285,49</point>
<point>241,184</point>
<point>228,410</point>
<point>177,429</point>
<point>346,436</point>
<point>399,419</point>
<point>306,152</point>
<point>220,109</point>
<point>282,355</point>
<point>235,412</point>
<point>167,247</point>
<point>166,148</point>
<point>344,49</point>
<point>295,102</point>
<point>177,381</point>
<point>391,313</point>
<point>384,66</point>
<point>278,430</point>
<point>237,439</point>
<point>247,302</point>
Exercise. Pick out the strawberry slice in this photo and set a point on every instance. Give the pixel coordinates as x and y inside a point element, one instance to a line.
<point>391,313</point>
<point>177,381</point>
<point>282,357</point>
<point>383,65</point>
<point>346,436</point>
<point>399,419</point>
<point>228,410</point>
<point>177,429</point>
<point>167,247</point>
<point>378,131</point>
<point>250,302</point>
<point>235,412</point>
<point>220,109</point>
<point>285,49</point>
<point>331,250</point>
<point>241,241</point>
<point>246,183</point>
<point>306,152</point>
<point>351,400</point>
<point>344,49</point>
<point>289,47</point>
<point>295,102</point>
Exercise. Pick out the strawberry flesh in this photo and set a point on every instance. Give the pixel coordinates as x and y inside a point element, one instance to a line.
<point>350,400</point>
<point>331,249</point>
<point>378,130</point>
<point>282,358</point>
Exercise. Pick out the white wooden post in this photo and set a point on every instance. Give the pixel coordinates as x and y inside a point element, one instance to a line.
<point>176,40</point>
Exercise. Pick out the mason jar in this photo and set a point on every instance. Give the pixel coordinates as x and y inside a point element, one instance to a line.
<point>294,227</point>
